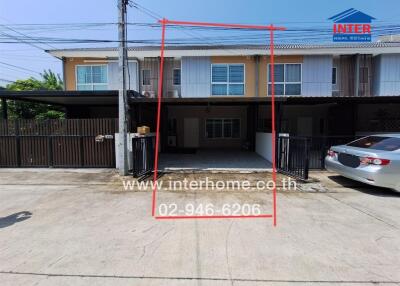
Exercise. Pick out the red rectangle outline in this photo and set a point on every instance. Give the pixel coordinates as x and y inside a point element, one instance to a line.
<point>164,22</point>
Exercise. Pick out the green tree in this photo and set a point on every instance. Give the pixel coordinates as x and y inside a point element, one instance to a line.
<point>52,81</point>
<point>20,109</point>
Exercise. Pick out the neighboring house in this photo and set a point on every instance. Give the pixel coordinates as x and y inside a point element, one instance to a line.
<point>219,97</point>
<point>236,80</point>
<point>360,69</point>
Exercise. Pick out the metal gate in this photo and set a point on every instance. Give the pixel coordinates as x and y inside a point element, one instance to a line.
<point>58,143</point>
<point>142,155</point>
<point>319,145</point>
<point>293,156</point>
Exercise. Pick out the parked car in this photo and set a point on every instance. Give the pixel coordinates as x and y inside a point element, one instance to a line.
<point>374,160</point>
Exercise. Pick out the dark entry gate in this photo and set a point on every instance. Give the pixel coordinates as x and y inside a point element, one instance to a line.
<point>143,155</point>
<point>293,156</point>
<point>296,155</point>
<point>58,143</point>
<point>319,145</point>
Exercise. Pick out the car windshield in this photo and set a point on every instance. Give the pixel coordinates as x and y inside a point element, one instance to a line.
<point>377,143</point>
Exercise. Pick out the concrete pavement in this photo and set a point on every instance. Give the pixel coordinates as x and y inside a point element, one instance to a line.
<point>83,229</point>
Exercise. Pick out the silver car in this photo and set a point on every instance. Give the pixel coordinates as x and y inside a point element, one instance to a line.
<point>374,160</point>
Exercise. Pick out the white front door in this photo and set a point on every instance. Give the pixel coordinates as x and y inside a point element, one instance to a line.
<point>191,132</point>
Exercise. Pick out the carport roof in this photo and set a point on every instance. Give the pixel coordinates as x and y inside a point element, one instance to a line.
<point>110,97</point>
<point>60,97</point>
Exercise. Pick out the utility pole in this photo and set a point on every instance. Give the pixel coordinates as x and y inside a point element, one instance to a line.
<point>122,94</point>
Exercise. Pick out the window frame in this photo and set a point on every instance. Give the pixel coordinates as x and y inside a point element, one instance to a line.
<point>173,76</point>
<point>284,78</point>
<point>334,83</point>
<point>223,128</point>
<point>227,82</point>
<point>142,75</point>
<point>90,84</point>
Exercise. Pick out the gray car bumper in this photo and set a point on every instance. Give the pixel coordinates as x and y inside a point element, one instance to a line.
<point>371,175</point>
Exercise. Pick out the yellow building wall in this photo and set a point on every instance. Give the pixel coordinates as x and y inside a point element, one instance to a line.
<point>69,69</point>
<point>264,61</point>
<point>249,61</point>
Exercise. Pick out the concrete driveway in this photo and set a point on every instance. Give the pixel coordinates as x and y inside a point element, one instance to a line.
<point>77,227</point>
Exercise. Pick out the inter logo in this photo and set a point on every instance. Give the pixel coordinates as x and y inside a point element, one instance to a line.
<point>352,26</point>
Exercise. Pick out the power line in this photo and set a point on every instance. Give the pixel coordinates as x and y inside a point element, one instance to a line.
<point>15,38</point>
<point>6,80</point>
<point>15,31</point>
<point>18,67</point>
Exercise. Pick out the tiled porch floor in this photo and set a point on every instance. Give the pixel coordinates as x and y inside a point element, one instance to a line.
<point>214,160</point>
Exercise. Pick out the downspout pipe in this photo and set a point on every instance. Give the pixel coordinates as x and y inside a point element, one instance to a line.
<point>257,74</point>
<point>63,59</point>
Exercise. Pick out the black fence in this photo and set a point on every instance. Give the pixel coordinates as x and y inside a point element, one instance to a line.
<point>142,155</point>
<point>293,156</point>
<point>58,143</point>
<point>318,147</point>
<point>297,155</point>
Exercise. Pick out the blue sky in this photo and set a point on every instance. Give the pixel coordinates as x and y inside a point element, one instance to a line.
<point>312,13</point>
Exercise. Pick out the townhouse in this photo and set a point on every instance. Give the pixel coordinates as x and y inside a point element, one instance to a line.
<point>218,97</point>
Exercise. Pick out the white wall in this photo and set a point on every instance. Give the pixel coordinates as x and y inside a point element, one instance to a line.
<point>387,75</point>
<point>317,76</point>
<point>113,76</point>
<point>196,77</point>
<point>264,145</point>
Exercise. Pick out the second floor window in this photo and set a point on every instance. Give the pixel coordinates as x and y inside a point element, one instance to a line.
<point>91,77</point>
<point>334,75</point>
<point>227,79</point>
<point>287,79</point>
<point>177,77</point>
<point>146,77</point>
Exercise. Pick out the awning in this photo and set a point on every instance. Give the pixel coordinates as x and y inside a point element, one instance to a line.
<point>64,98</point>
<point>110,97</point>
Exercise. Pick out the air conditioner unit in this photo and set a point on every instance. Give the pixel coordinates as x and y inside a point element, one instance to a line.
<point>148,93</point>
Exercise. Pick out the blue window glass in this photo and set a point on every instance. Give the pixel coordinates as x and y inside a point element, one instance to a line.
<point>227,79</point>
<point>236,73</point>
<point>279,89</point>
<point>219,89</point>
<point>91,77</point>
<point>292,89</point>
<point>287,79</point>
<point>278,72</point>
<point>293,73</point>
<point>177,77</point>
<point>236,89</point>
<point>219,73</point>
